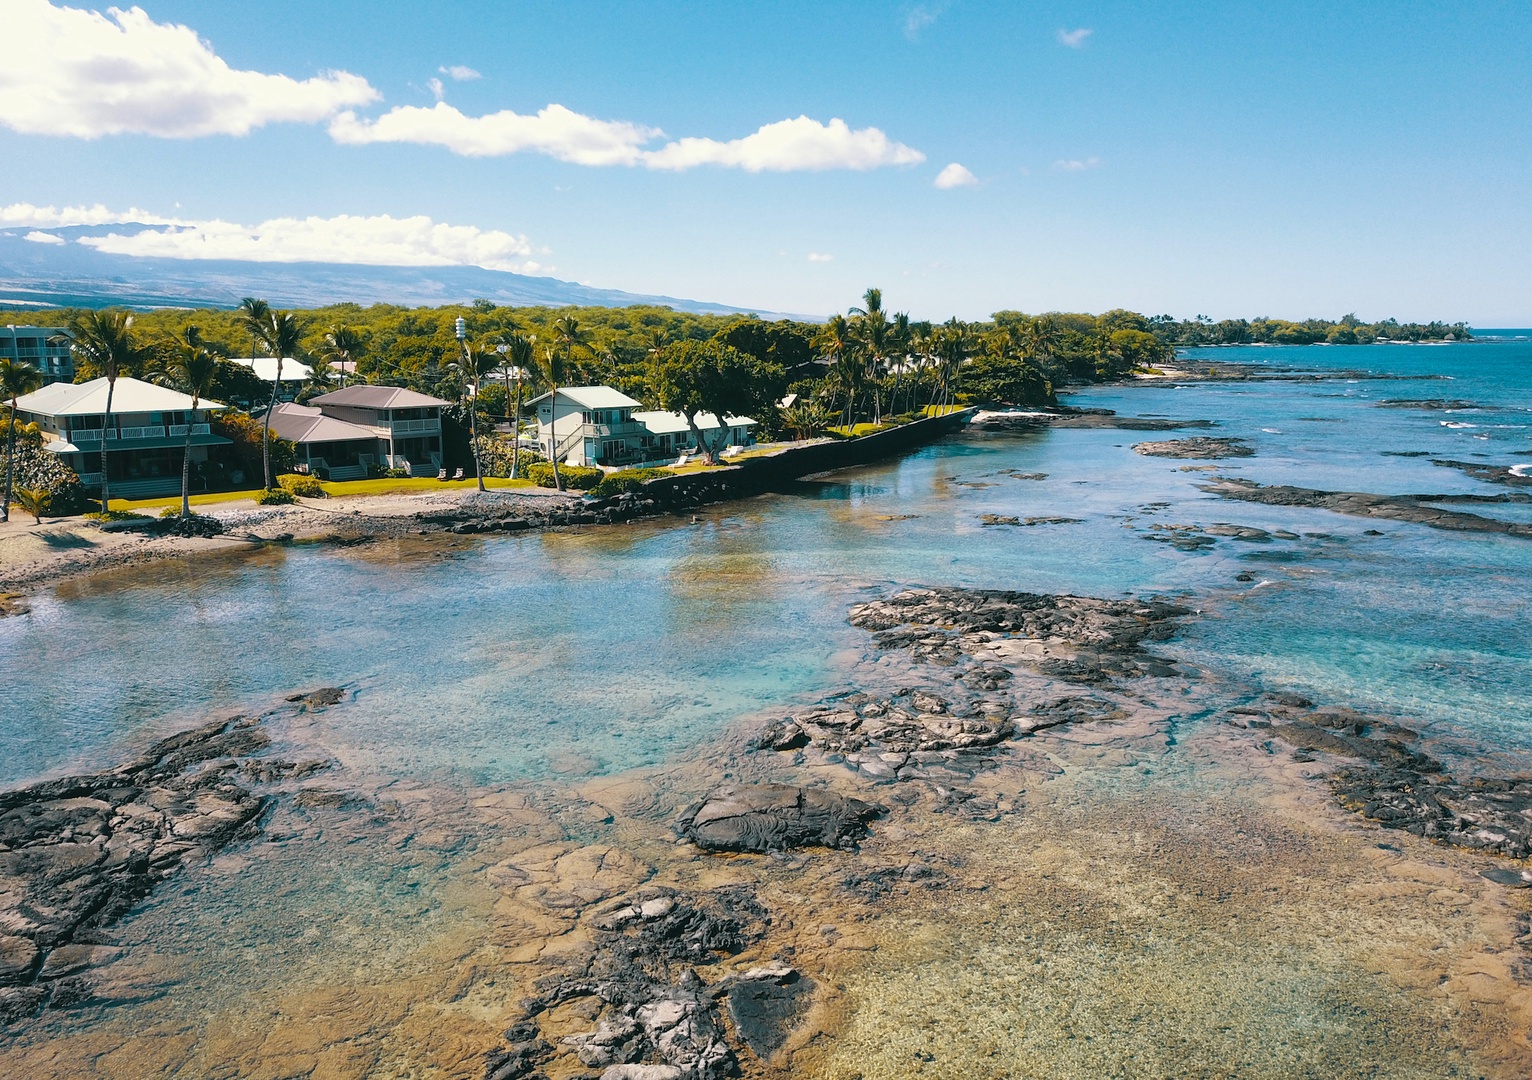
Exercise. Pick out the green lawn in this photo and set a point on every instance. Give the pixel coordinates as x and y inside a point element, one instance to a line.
<point>338,489</point>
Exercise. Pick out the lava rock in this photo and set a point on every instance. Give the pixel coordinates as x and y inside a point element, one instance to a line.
<point>775,817</point>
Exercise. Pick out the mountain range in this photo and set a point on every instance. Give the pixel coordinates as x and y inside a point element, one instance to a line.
<point>64,273</point>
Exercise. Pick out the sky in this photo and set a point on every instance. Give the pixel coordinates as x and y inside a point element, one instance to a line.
<point>1231,159</point>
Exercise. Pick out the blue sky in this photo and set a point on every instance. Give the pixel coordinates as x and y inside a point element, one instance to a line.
<point>1231,159</point>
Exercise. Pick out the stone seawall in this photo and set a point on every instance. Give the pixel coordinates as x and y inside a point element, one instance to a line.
<point>756,476</point>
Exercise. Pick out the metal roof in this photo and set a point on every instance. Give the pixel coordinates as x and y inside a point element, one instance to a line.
<point>362,396</point>
<point>594,397</point>
<point>301,424</point>
<point>671,423</point>
<point>89,399</point>
<point>265,368</point>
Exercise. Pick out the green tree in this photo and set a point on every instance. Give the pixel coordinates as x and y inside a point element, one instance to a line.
<point>16,379</point>
<point>104,342</point>
<point>693,377</point>
<point>518,353</point>
<point>477,364</point>
<point>193,370</point>
<point>343,346</point>
<point>557,360</point>
<point>280,334</point>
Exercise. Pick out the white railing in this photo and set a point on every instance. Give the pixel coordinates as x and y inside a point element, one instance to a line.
<point>87,435</point>
<point>90,479</point>
<point>415,427</point>
<point>196,429</point>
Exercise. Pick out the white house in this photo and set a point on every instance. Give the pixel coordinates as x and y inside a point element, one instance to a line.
<point>141,447</point>
<point>333,448</point>
<point>590,425</point>
<point>406,425</point>
<point>597,425</point>
<point>673,435</point>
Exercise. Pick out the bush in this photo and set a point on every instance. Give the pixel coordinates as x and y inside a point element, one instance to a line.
<point>113,515</point>
<point>275,497</point>
<point>304,487</point>
<point>575,477</point>
<point>378,472</point>
<point>626,480</point>
<point>39,470</point>
<point>34,501</point>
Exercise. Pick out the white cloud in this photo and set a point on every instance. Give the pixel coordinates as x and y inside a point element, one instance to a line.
<point>785,146</point>
<point>1074,39</point>
<point>52,217</point>
<point>44,238</point>
<point>820,257</point>
<point>438,91</point>
<point>556,131</point>
<point>1077,165</point>
<point>801,145</point>
<point>921,16</point>
<point>81,73</point>
<point>955,176</point>
<point>377,241</point>
<point>459,72</point>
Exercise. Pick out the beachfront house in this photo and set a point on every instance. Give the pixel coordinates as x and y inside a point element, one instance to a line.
<point>672,435</point>
<point>329,447</point>
<point>590,425</point>
<point>406,426</point>
<point>44,347</point>
<point>144,441</point>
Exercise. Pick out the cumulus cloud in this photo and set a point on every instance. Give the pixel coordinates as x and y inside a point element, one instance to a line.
<point>459,72</point>
<point>820,257</point>
<point>1074,39</point>
<point>29,215</point>
<point>797,145</point>
<point>556,131</point>
<point>1077,164</point>
<point>84,74</point>
<point>44,238</point>
<point>379,240</point>
<point>801,145</point>
<point>955,176</point>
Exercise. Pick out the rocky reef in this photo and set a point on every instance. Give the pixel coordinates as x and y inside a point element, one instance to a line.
<point>1201,448</point>
<point>1412,508</point>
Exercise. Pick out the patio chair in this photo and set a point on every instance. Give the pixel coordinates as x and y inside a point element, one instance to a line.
<point>458,475</point>
<point>442,475</point>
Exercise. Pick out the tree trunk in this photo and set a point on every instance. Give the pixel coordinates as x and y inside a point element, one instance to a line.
<point>10,465</point>
<point>516,434</point>
<point>276,384</point>
<point>553,438</point>
<point>106,423</point>
<point>473,432</point>
<point>186,463</point>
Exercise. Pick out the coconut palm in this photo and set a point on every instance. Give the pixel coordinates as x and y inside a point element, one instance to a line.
<point>342,346</point>
<point>34,501</point>
<point>568,335</point>
<point>253,314</point>
<point>281,335</point>
<point>518,352</point>
<point>875,332</point>
<point>16,379</point>
<point>104,341</point>
<point>475,365</point>
<point>550,365</point>
<point>838,344</point>
<point>191,369</point>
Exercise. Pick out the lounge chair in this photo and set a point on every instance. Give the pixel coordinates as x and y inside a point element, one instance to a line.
<point>458,475</point>
<point>442,475</point>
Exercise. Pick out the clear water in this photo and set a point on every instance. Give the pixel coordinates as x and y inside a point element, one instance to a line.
<point>602,651</point>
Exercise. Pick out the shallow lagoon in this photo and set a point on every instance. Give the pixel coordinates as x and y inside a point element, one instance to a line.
<point>539,663</point>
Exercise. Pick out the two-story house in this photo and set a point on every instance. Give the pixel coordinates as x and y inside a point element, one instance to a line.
<point>141,445</point>
<point>406,425</point>
<point>590,425</point>
<point>44,347</point>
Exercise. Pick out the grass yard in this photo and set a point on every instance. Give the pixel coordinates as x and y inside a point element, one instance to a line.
<point>337,489</point>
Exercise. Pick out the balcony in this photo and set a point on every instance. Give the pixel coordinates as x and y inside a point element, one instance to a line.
<point>615,431</point>
<point>148,431</point>
<point>181,430</point>
<point>400,428</point>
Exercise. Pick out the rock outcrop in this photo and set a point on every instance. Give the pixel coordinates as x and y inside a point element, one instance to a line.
<point>775,817</point>
<point>1200,448</point>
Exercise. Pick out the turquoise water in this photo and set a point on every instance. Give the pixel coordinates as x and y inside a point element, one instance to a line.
<point>600,651</point>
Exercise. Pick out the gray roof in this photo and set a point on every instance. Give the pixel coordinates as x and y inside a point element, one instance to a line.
<point>89,399</point>
<point>670,423</point>
<point>362,396</point>
<point>301,424</point>
<point>594,397</point>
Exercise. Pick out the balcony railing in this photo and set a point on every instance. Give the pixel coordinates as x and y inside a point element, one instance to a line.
<point>415,427</point>
<point>196,429</point>
<point>148,431</point>
<point>617,430</point>
<point>85,435</point>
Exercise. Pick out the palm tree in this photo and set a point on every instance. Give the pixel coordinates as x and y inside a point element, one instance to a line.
<point>34,501</point>
<point>193,370</point>
<point>321,378</point>
<point>342,346</point>
<point>569,335</point>
<point>518,353</point>
<point>280,334</point>
<point>476,364</point>
<point>16,379</point>
<point>253,314</point>
<point>104,340</point>
<point>872,327</point>
<point>838,344</point>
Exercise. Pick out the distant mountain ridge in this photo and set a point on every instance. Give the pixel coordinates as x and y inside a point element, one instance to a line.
<point>70,274</point>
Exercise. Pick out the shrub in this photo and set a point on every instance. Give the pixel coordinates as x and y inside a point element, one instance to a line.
<point>626,480</point>
<point>34,501</point>
<point>380,472</point>
<point>304,487</point>
<point>39,470</point>
<point>575,477</point>
<point>113,515</point>
<point>275,497</point>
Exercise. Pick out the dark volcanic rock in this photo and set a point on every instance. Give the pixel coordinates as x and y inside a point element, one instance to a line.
<point>78,852</point>
<point>766,1004</point>
<point>775,817</point>
<point>1200,447</point>
<point>1415,508</point>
